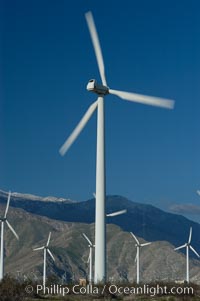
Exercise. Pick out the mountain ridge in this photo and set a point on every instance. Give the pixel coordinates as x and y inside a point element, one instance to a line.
<point>146,221</point>
<point>33,197</point>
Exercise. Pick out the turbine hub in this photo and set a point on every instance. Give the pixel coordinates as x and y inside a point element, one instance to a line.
<point>93,86</point>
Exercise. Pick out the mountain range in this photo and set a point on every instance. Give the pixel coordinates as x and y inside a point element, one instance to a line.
<point>33,217</point>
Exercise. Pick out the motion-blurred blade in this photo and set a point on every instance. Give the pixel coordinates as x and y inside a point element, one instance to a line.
<point>11,228</point>
<point>198,192</point>
<point>190,235</point>
<point>78,129</point>
<point>135,238</point>
<point>89,258</point>
<point>85,236</point>
<point>144,99</point>
<point>48,239</point>
<point>50,254</point>
<point>181,247</point>
<point>117,213</point>
<point>40,248</point>
<point>136,257</point>
<point>96,45</point>
<point>195,252</point>
<point>8,203</point>
<point>146,244</point>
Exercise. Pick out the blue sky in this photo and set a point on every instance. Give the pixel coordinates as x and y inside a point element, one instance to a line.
<point>47,58</point>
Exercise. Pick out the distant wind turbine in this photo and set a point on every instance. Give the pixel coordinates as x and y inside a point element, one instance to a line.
<point>188,247</point>
<point>4,220</point>
<point>102,90</point>
<point>90,258</point>
<point>46,249</point>
<point>137,258</point>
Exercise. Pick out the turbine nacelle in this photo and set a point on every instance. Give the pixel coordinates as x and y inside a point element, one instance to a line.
<point>93,86</point>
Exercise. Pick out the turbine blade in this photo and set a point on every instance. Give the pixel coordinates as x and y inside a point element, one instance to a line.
<point>8,203</point>
<point>136,257</point>
<point>96,45</point>
<point>144,99</point>
<point>11,228</point>
<point>195,252</point>
<point>88,258</point>
<point>145,244</point>
<point>51,254</point>
<point>181,247</point>
<point>85,236</point>
<point>40,248</point>
<point>117,213</point>
<point>137,241</point>
<point>78,129</point>
<point>190,235</point>
<point>198,192</point>
<point>48,239</point>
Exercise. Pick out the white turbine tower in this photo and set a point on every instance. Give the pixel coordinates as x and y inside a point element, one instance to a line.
<point>4,220</point>
<point>46,249</point>
<point>102,90</point>
<point>90,258</point>
<point>188,247</point>
<point>137,258</point>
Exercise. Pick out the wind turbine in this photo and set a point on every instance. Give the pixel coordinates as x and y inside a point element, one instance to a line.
<point>91,246</point>
<point>102,90</point>
<point>188,247</point>
<point>137,258</point>
<point>46,249</point>
<point>4,220</point>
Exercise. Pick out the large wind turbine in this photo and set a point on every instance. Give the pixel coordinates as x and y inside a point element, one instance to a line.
<point>137,258</point>
<point>90,258</point>
<point>102,90</point>
<point>46,249</point>
<point>4,220</point>
<point>188,247</point>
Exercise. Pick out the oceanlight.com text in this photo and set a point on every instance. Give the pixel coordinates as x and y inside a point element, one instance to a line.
<point>111,289</point>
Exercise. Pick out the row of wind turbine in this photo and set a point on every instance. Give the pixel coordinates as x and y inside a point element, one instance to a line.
<point>91,246</point>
